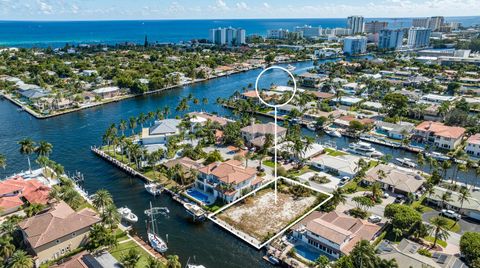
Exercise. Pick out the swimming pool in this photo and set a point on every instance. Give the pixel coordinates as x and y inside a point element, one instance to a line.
<point>307,253</point>
<point>198,195</point>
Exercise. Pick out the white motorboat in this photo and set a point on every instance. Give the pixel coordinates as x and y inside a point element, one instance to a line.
<point>127,215</point>
<point>154,188</point>
<point>438,156</point>
<point>155,240</point>
<point>332,132</point>
<point>407,162</point>
<point>196,211</point>
<point>195,266</point>
<point>364,148</point>
<point>311,126</point>
<point>291,67</point>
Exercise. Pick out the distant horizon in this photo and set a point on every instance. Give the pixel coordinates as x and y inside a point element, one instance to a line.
<point>213,19</point>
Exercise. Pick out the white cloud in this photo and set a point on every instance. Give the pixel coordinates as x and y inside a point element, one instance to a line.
<point>266,5</point>
<point>44,7</point>
<point>242,6</point>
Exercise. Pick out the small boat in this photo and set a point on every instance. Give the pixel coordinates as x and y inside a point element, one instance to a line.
<point>156,242</point>
<point>364,148</point>
<point>438,156</point>
<point>332,132</point>
<point>291,67</point>
<point>154,188</point>
<point>196,211</point>
<point>311,126</point>
<point>195,266</point>
<point>127,215</point>
<point>407,162</point>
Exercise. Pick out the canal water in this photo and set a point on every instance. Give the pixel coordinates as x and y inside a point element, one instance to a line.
<point>73,134</point>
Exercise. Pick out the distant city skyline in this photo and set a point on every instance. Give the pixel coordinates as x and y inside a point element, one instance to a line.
<point>232,9</point>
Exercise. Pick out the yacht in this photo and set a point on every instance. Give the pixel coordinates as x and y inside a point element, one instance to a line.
<point>332,132</point>
<point>407,162</point>
<point>438,156</point>
<point>364,148</point>
<point>311,126</point>
<point>290,67</point>
<point>127,215</point>
<point>154,188</point>
<point>155,240</point>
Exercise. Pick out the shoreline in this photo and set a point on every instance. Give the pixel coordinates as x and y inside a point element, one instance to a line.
<point>36,115</point>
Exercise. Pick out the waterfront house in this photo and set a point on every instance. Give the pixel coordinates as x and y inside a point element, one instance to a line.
<point>344,121</point>
<point>406,255</point>
<point>287,109</point>
<point>15,192</point>
<point>254,134</point>
<point>473,145</point>
<point>442,136</point>
<point>334,233</point>
<point>470,207</point>
<point>342,165</point>
<point>312,80</point>
<point>185,163</point>
<point>222,121</point>
<point>160,131</point>
<point>107,92</point>
<point>53,234</point>
<point>394,179</point>
<point>398,131</point>
<point>33,94</point>
<point>227,181</point>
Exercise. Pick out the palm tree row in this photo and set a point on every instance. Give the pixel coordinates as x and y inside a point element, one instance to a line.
<point>28,147</point>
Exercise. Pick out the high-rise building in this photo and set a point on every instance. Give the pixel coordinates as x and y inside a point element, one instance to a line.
<point>390,39</point>
<point>420,22</point>
<point>419,37</point>
<point>283,34</point>
<point>375,26</point>
<point>436,22</point>
<point>309,31</point>
<point>353,45</point>
<point>356,24</point>
<point>241,35</point>
<point>227,36</point>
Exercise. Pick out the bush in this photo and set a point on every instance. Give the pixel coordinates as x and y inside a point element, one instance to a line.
<point>403,217</point>
<point>358,213</point>
<point>424,252</point>
<point>470,248</point>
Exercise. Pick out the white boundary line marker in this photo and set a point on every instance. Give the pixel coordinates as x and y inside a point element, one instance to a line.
<point>275,116</point>
<point>259,246</point>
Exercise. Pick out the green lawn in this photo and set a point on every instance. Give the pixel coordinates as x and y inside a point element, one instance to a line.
<point>439,242</point>
<point>121,235</point>
<point>453,225</point>
<point>333,152</point>
<point>119,251</point>
<point>420,207</point>
<point>353,186</point>
<point>269,163</point>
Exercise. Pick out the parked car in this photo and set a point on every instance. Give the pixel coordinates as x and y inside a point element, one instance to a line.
<point>450,214</point>
<point>385,195</point>
<point>344,180</point>
<point>374,219</point>
<point>398,199</point>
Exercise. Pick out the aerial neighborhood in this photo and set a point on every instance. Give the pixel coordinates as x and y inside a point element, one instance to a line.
<point>373,162</point>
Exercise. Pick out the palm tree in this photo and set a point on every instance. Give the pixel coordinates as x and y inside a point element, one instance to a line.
<point>363,255</point>
<point>110,216</point>
<point>166,110</point>
<point>445,167</point>
<point>130,259</point>
<point>464,195</point>
<point>173,262</point>
<point>34,209</point>
<point>43,162</point>
<point>3,161</point>
<point>338,196</point>
<point>44,148</point>
<point>397,232</point>
<point>153,263</point>
<point>102,199</point>
<point>445,198</point>
<point>439,229</point>
<point>7,248</point>
<point>122,126</point>
<point>20,259</point>
<point>132,124</point>
<point>27,147</point>
<point>376,190</point>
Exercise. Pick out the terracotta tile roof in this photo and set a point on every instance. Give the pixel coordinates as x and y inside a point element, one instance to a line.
<point>440,129</point>
<point>231,171</point>
<point>341,229</point>
<point>9,202</point>
<point>250,94</point>
<point>58,222</point>
<point>214,118</point>
<point>32,190</point>
<point>474,139</point>
<point>263,129</point>
<point>322,95</point>
<point>75,261</point>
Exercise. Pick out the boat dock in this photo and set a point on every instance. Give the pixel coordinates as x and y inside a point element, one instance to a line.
<point>383,142</point>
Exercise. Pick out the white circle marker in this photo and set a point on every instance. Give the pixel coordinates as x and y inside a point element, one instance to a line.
<point>275,106</point>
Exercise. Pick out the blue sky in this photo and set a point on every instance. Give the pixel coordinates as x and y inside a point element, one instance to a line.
<point>208,9</point>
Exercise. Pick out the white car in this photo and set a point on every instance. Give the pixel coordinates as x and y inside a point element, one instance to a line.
<point>450,214</point>
<point>386,195</point>
<point>344,180</point>
<point>375,219</point>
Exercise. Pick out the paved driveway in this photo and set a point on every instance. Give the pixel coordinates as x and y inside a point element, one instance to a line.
<point>466,225</point>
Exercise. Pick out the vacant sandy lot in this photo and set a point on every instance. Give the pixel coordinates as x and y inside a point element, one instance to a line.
<point>259,216</point>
